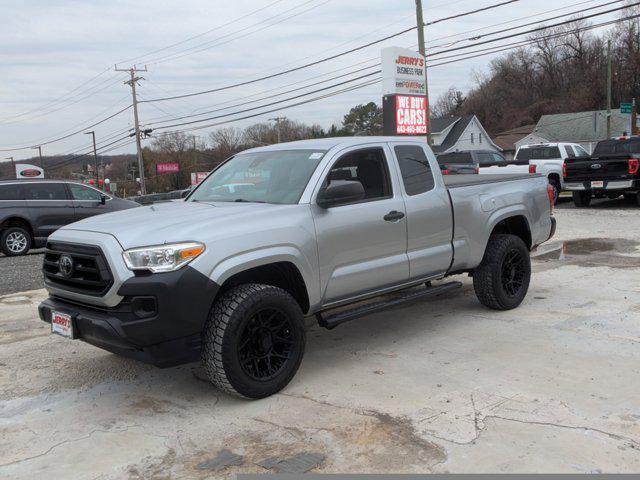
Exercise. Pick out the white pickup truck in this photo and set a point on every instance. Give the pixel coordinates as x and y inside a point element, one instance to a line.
<point>544,158</point>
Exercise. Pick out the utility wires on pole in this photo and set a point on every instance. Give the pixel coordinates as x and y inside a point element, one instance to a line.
<point>278,120</point>
<point>132,83</point>
<point>13,167</point>
<point>609,89</point>
<point>423,53</point>
<point>40,155</point>
<point>95,155</point>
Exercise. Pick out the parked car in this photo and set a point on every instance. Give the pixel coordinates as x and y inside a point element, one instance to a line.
<point>612,170</point>
<point>31,210</point>
<point>469,161</point>
<point>544,158</point>
<point>328,223</point>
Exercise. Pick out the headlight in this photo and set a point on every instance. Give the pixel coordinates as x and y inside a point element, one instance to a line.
<point>162,258</point>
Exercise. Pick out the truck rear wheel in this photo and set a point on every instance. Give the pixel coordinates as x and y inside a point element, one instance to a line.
<point>581,199</point>
<point>555,184</point>
<point>253,341</point>
<point>502,279</point>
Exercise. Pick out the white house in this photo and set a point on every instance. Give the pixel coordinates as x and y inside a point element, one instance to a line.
<point>451,134</point>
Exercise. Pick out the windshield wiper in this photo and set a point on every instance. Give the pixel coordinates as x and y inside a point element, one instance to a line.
<point>244,200</point>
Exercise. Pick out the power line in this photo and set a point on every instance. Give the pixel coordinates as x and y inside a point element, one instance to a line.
<point>534,30</point>
<point>71,134</point>
<point>323,60</point>
<point>187,40</point>
<point>185,54</point>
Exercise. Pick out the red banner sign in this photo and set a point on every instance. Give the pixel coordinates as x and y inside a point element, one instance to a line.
<point>167,168</point>
<point>411,115</point>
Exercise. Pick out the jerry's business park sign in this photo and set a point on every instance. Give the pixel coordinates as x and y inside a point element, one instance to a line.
<point>404,101</point>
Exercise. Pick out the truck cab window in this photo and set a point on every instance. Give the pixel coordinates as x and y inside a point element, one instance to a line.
<point>367,166</point>
<point>415,169</point>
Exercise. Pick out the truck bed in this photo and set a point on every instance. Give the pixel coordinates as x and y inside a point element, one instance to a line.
<point>455,181</point>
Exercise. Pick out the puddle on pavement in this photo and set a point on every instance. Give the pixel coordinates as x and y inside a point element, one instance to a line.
<point>592,252</point>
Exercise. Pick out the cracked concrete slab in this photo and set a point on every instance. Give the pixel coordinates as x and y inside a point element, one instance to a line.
<point>549,387</point>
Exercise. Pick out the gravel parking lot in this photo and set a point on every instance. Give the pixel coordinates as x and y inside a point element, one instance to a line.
<point>444,386</point>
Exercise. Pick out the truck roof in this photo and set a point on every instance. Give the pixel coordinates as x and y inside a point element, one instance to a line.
<point>328,143</point>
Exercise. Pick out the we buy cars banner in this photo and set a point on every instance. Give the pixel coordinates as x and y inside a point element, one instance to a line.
<point>404,114</point>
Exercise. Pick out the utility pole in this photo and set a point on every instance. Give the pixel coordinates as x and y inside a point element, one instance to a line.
<point>95,154</point>
<point>132,83</point>
<point>422,50</point>
<point>40,155</point>
<point>13,166</point>
<point>608,89</point>
<point>278,120</point>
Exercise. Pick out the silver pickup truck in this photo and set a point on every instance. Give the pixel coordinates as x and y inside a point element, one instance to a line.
<point>313,228</point>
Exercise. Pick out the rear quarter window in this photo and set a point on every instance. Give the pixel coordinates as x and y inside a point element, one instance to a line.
<point>415,169</point>
<point>12,191</point>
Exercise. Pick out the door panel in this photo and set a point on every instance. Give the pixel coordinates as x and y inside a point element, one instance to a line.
<point>359,251</point>
<point>429,215</point>
<point>48,205</point>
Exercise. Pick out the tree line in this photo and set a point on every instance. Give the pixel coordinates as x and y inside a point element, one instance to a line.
<point>555,74</point>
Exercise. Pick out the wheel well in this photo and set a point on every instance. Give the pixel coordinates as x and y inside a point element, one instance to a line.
<point>517,226</point>
<point>17,222</point>
<point>284,275</point>
<point>554,176</point>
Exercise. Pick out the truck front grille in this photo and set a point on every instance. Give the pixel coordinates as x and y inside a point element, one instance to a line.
<point>76,268</point>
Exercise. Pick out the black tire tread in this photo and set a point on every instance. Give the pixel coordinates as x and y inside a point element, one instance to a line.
<point>5,233</point>
<point>219,319</point>
<point>483,277</point>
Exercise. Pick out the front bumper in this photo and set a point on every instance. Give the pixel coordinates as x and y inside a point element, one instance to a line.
<point>607,185</point>
<point>159,320</point>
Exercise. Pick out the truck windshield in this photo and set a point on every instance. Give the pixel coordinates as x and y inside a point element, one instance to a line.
<point>278,176</point>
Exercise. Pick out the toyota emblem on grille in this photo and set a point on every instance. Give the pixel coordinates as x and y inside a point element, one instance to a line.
<point>65,265</point>
<point>596,166</point>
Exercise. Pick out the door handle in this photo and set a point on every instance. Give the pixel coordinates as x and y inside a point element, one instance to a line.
<point>393,216</point>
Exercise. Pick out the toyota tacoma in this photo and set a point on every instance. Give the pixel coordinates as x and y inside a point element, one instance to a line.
<point>317,228</point>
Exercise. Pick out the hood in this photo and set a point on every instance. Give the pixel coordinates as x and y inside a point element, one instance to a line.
<point>174,221</point>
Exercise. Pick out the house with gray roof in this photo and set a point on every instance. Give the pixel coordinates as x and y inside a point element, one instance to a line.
<point>584,128</point>
<point>451,134</point>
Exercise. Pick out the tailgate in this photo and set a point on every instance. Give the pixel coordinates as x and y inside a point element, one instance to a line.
<point>614,167</point>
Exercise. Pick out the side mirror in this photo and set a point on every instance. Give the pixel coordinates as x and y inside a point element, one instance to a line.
<point>103,199</point>
<point>340,192</point>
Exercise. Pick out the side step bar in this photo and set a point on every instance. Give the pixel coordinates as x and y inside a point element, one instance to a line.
<point>332,321</point>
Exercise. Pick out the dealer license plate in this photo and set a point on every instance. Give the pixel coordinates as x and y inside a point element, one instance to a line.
<point>597,184</point>
<point>61,324</point>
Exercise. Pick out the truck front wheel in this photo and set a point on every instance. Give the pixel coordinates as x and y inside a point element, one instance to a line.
<point>502,279</point>
<point>581,199</point>
<point>253,341</point>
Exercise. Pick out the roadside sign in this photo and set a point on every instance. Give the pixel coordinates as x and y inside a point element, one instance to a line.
<point>197,177</point>
<point>626,107</point>
<point>167,168</point>
<point>403,72</point>
<point>404,114</point>
<point>24,170</point>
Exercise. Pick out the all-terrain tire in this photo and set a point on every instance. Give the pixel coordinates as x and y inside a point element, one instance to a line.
<point>239,316</point>
<point>15,241</point>
<point>491,279</point>
<point>581,199</point>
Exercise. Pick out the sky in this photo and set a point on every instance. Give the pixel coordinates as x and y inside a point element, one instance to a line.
<point>57,59</point>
